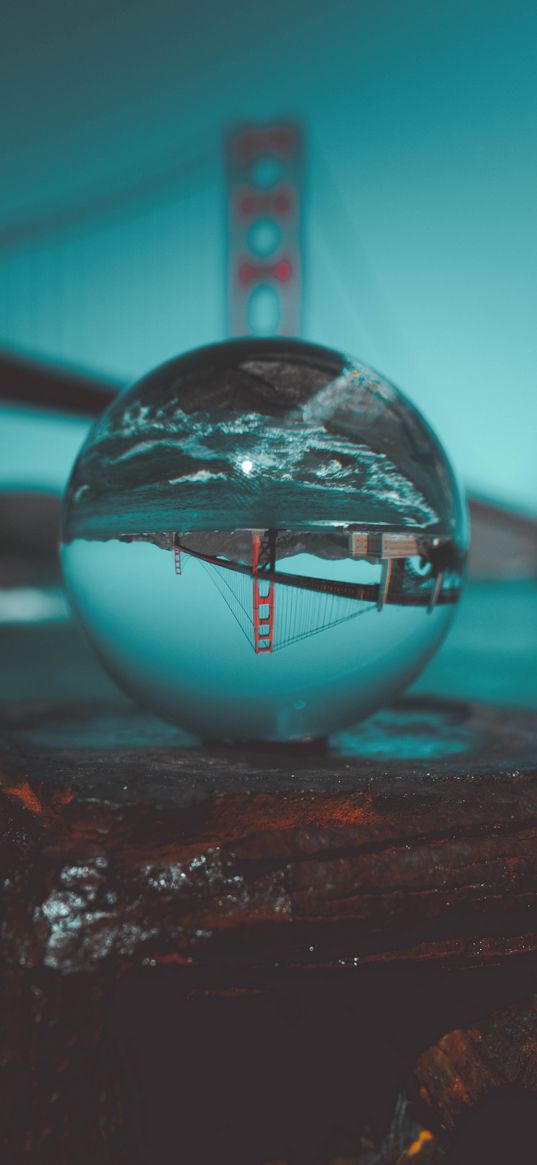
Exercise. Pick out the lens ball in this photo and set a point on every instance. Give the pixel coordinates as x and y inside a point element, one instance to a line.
<point>264,540</point>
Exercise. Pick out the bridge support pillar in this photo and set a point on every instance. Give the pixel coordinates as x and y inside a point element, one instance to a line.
<point>176,554</point>
<point>263,601</point>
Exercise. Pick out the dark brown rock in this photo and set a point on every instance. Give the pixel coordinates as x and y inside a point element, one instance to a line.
<point>261,879</point>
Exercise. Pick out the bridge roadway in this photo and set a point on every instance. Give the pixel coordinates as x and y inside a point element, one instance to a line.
<point>361,592</point>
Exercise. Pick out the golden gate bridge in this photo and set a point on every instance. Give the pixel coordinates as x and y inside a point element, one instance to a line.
<point>308,605</point>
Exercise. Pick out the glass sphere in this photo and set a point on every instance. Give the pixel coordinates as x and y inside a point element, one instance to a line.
<point>264,540</point>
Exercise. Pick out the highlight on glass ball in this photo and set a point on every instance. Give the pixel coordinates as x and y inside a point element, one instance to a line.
<point>264,541</point>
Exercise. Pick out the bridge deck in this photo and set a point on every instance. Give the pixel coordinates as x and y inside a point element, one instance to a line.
<point>362,592</point>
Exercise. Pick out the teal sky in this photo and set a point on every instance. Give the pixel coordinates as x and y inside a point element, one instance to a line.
<point>420,239</point>
<point>177,647</point>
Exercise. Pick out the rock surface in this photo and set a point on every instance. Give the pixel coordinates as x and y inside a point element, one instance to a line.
<point>408,849</point>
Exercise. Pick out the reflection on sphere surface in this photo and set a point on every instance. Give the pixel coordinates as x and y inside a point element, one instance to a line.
<point>264,540</point>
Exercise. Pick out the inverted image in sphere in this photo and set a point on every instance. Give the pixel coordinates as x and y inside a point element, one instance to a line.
<point>264,540</point>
